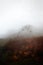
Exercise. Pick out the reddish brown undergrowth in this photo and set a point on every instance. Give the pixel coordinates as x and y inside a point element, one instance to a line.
<point>28,48</point>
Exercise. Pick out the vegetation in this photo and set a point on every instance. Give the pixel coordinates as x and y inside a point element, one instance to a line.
<point>22,52</point>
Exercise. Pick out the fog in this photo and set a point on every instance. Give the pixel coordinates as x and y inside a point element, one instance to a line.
<point>14,14</point>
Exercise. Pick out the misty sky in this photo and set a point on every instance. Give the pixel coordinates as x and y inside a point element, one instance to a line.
<point>16,13</point>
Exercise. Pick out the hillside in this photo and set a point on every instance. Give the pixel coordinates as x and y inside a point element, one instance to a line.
<point>22,48</point>
<point>22,51</point>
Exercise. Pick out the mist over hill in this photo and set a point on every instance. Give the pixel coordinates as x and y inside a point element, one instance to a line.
<point>28,31</point>
<point>23,32</point>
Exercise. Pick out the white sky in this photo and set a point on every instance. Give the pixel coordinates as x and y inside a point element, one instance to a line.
<point>17,13</point>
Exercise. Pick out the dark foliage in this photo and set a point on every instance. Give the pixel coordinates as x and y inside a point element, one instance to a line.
<point>22,52</point>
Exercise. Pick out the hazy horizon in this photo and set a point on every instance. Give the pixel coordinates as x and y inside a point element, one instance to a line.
<point>15,14</point>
